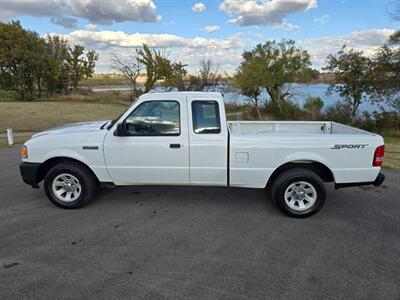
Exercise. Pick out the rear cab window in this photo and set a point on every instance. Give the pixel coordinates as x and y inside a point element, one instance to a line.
<point>206,117</point>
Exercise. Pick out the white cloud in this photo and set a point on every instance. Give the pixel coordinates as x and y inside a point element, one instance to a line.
<point>66,12</point>
<point>105,39</point>
<point>264,12</point>
<point>225,52</point>
<point>198,7</point>
<point>90,27</point>
<point>289,26</point>
<point>365,40</point>
<point>211,28</point>
<point>65,22</point>
<point>323,20</point>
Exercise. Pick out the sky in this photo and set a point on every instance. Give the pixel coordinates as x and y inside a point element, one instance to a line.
<point>209,29</point>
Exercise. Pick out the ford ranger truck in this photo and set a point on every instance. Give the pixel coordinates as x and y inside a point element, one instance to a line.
<point>183,138</point>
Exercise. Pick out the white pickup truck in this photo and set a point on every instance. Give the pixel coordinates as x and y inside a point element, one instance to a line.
<point>183,138</point>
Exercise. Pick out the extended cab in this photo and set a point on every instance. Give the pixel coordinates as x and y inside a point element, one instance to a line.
<point>183,138</point>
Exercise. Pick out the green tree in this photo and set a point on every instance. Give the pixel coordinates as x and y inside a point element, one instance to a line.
<point>249,80</point>
<point>80,65</point>
<point>40,66</point>
<point>353,73</point>
<point>157,65</point>
<point>177,77</point>
<point>278,63</point>
<point>386,87</point>
<point>57,76</point>
<point>19,50</point>
<point>30,63</point>
<point>271,66</point>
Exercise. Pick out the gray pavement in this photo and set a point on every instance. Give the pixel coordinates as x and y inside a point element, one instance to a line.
<point>197,242</point>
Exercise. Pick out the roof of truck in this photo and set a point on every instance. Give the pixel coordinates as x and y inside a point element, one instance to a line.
<point>177,94</point>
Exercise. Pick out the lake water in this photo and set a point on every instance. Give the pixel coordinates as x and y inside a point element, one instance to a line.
<point>300,93</point>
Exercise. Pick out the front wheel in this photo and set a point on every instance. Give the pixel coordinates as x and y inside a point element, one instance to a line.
<point>69,185</point>
<point>299,192</point>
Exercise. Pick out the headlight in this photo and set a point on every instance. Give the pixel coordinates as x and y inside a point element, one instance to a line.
<point>24,152</point>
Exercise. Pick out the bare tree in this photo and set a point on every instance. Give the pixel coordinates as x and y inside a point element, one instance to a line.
<point>209,75</point>
<point>131,72</point>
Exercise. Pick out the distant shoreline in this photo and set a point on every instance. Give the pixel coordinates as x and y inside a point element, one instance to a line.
<point>118,80</point>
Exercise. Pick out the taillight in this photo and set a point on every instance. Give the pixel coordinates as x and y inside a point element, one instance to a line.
<point>378,156</point>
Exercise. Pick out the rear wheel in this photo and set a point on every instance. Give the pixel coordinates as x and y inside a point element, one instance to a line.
<point>299,192</point>
<point>69,185</point>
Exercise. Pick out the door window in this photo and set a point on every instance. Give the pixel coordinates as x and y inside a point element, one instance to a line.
<point>205,116</point>
<point>154,118</point>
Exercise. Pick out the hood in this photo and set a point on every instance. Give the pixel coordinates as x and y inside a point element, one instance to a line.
<point>73,128</point>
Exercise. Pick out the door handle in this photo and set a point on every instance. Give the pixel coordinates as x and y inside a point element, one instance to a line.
<point>174,146</point>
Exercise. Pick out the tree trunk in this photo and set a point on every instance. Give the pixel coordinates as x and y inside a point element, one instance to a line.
<point>39,88</point>
<point>258,113</point>
<point>256,108</point>
<point>354,107</point>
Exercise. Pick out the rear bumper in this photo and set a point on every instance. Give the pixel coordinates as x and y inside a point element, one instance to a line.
<point>378,181</point>
<point>30,173</point>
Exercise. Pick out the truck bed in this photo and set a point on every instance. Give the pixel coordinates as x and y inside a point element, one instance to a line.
<point>257,149</point>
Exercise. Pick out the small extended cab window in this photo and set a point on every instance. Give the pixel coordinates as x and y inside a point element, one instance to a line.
<point>206,117</point>
<point>154,118</point>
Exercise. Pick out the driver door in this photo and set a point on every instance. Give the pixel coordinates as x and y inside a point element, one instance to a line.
<point>155,149</point>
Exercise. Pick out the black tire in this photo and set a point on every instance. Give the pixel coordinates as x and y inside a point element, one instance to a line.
<point>86,180</point>
<point>289,178</point>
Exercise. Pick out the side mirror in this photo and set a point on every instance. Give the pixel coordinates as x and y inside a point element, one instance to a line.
<point>121,129</point>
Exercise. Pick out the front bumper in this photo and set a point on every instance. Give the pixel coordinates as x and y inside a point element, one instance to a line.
<point>30,173</point>
<point>378,181</point>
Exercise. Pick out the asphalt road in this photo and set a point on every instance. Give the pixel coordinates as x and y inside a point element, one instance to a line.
<point>183,242</point>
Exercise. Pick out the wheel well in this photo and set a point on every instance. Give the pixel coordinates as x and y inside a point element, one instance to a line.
<point>48,164</point>
<point>318,168</point>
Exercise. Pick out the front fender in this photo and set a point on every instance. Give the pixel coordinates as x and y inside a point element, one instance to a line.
<point>67,154</point>
<point>97,164</point>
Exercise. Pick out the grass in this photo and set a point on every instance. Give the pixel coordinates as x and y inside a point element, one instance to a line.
<point>81,95</point>
<point>8,95</point>
<point>37,116</point>
<point>18,141</point>
<point>392,152</point>
<point>90,97</point>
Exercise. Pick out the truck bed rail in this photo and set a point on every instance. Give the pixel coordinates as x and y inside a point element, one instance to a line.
<point>305,127</point>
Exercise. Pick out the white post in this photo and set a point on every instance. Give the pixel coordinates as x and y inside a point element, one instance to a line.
<point>10,136</point>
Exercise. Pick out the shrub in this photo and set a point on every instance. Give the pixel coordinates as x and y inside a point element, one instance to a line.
<point>313,107</point>
<point>9,96</point>
<point>339,112</point>
<point>382,122</point>
<point>286,110</point>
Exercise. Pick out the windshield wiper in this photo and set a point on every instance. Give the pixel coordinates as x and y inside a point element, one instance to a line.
<point>102,126</point>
